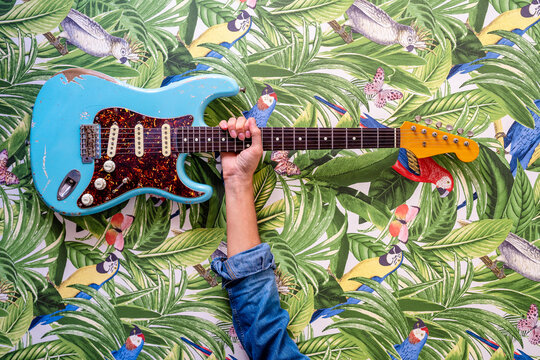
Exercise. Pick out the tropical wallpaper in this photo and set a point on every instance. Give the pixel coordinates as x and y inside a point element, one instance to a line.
<point>380,254</point>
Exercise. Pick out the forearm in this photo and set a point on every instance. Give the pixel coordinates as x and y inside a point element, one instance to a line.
<point>242,231</point>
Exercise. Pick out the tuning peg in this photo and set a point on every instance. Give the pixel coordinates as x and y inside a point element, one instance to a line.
<point>438,124</point>
<point>417,118</point>
<point>470,133</point>
<point>460,131</point>
<point>428,121</point>
<point>449,127</point>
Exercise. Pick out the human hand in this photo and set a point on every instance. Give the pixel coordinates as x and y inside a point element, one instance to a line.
<point>239,167</point>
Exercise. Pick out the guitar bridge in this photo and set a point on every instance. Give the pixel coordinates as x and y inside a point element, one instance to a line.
<point>90,143</point>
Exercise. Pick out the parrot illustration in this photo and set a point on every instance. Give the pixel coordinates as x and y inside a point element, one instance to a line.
<point>133,346</point>
<point>204,350</point>
<point>90,37</point>
<point>6,177</point>
<point>410,348</point>
<point>517,356</point>
<point>94,276</point>
<point>517,21</point>
<point>521,256</point>
<point>524,141</point>
<point>376,25</point>
<point>420,170</point>
<point>376,269</point>
<point>264,107</point>
<point>226,35</point>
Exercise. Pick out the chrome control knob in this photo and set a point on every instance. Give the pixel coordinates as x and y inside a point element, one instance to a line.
<point>109,166</point>
<point>100,184</point>
<point>87,199</point>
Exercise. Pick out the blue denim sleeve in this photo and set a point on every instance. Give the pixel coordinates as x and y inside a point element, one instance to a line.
<point>259,320</point>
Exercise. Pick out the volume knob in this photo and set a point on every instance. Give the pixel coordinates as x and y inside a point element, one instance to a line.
<point>100,183</point>
<point>87,199</point>
<point>109,166</point>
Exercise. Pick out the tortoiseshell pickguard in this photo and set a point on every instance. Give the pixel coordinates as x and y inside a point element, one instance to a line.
<point>152,170</point>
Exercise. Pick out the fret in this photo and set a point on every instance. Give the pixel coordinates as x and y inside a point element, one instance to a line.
<point>319,138</point>
<point>395,137</point>
<point>294,138</point>
<point>332,130</point>
<point>361,138</point>
<point>306,137</point>
<point>346,139</point>
<point>282,138</point>
<point>377,138</point>
<point>272,138</point>
<point>205,139</point>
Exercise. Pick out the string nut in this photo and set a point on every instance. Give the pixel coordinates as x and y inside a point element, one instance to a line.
<point>449,127</point>
<point>417,118</point>
<point>438,124</point>
<point>470,133</point>
<point>428,121</point>
<point>460,131</point>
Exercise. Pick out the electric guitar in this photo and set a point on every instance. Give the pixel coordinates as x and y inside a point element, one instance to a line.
<point>96,142</point>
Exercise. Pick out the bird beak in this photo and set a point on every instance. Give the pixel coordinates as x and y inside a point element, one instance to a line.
<point>443,192</point>
<point>410,48</point>
<point>123,60</point>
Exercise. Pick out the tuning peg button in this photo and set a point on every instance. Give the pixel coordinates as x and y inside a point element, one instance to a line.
<point>417,118</point>
<point>428,121</point>
<point>438,124</point>
<point>470,133</point>
<point>449,127</point>
<point>460,131</point>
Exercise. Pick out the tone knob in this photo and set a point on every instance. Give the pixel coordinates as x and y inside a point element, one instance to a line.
<point>109,166</point>
<point>87,199</point>
<point>100,183</point>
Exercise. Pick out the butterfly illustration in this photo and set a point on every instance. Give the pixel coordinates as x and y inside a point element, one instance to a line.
<point>375,89</point>
<point>404,215</point>
<point>530,324</point>
<point>119,224</point>
<point>284,165</point>
<point>250,3</point>
<point>6,177</point>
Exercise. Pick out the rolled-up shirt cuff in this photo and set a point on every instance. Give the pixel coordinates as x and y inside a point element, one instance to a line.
<point>246,263</point>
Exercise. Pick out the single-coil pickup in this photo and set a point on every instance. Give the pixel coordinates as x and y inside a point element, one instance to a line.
<point>139,140</point>
<point>113,140</point>
<point>166,139</point>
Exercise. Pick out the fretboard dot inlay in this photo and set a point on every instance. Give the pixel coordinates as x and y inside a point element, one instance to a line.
<point>185,139</point>
<point>299,138</point>
<point>325,138</point>
<point>222,139</point>
<point>209,139</point>
<point>247,145</point>
<point>196,139</point>
<point>354,138</point>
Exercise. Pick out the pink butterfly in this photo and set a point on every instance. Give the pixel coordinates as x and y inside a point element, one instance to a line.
<point>6,177</point>
<point>530,324</point>
<point>375,89</point>
<point>119,224</point>
<point>250,3</point>
<point>284,165</point>
<point>404,215</point>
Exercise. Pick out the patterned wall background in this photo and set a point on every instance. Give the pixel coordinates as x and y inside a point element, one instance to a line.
<point>433,258</point>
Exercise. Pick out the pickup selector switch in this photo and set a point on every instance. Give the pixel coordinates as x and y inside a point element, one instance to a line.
<point>87,199</point>
<point>109,166</point>
<point>100,184</point>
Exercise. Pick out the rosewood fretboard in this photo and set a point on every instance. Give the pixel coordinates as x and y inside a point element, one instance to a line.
<point>204,139</point>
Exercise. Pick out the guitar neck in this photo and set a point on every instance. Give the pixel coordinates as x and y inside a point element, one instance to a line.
<point>204,139</point>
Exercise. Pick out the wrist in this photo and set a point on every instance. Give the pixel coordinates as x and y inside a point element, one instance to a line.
<point>238,182</point>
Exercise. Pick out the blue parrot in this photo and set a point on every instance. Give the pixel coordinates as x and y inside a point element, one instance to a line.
<point>133,346</point>
<point>94,276</point>
<point>410,348</point>
<point>204,350</point>
<point>494,346</point>
<point>517,20</point>
<point>264,107</point>
<point>376,269</point>
<point>226,35</point>
<point>524,141</point>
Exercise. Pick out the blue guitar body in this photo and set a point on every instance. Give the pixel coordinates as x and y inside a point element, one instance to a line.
<point>80,116</point>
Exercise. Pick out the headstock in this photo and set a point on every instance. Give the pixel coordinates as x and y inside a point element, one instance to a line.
<point>424,142</point>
